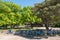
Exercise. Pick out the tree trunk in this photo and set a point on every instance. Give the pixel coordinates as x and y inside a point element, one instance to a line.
<point>47,28</point>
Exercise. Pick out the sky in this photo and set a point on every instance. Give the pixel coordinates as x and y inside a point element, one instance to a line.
<point>26,2</point>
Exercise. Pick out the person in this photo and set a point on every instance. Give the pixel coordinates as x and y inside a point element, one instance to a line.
<point>9,31</point>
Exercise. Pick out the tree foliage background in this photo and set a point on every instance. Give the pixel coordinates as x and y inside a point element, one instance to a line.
<point>47,12</point>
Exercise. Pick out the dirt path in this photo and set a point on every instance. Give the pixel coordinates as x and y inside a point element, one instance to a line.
<point>14,37</point>
<point>11,37</point>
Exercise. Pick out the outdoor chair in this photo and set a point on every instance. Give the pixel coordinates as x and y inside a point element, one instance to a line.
<point>19,32</point>
<point>24,33</point>
<point>9,32</point>
<point>51,33</point>
<point>39,32</point>
<point>58,32</point>
<point>29,33</point>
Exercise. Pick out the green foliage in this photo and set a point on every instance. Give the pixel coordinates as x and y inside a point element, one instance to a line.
<point>14,7</point>
<point>4,8</point>
<point>28,16</point>
<point>12,15</point>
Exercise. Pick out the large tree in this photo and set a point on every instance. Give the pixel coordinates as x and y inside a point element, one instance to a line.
<point>49,11</point>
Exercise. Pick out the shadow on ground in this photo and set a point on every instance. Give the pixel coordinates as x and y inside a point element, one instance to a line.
<point>36,34</point>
